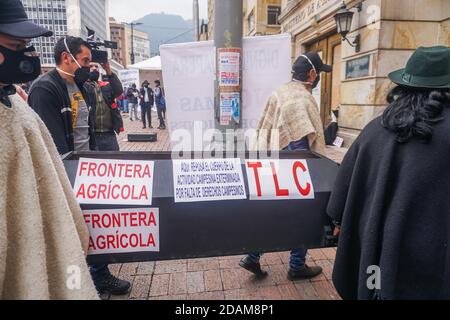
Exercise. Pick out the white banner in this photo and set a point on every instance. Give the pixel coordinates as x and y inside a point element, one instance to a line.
<point>122,230</point>
<point>189,72</point>
<point>129,77</point>
<point>116,182</point>
<point>208,180</point>
<point>279,180</point>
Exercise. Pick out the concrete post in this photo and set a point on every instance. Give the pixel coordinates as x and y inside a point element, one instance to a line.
<point>228,30</point>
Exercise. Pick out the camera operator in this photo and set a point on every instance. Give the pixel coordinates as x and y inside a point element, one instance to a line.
<point>42,231</point>
<point>60,98</point>
<point>101,96</point>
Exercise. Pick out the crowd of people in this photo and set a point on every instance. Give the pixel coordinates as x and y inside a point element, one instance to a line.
<point>144,99</point>
<point>390,205</point>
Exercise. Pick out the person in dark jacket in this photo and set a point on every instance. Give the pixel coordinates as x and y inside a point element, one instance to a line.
<point>132,97</point>
<point>59,98</point>
<point>147,101</point>
<point>160,101</point>
<point>102,99</point>
<point>391,201</point>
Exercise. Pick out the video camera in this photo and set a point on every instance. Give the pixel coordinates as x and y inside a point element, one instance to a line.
<point>99,56</point>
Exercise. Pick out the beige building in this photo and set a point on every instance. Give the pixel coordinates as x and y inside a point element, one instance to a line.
<point>389,33</point>
<point>261,17</point>
<point>121,33</point>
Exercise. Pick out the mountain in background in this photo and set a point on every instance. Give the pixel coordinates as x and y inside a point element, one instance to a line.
<point>165,28</point>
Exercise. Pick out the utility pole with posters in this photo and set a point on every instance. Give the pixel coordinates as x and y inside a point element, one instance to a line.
<point>228,33</point>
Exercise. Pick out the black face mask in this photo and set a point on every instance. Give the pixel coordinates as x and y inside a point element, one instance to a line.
<point>94,75</point>
<point>82,75</point>
<point>18,67</point>
<point>316,82</point>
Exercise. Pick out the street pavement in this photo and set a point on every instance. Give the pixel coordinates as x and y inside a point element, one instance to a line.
<point>219,278</point>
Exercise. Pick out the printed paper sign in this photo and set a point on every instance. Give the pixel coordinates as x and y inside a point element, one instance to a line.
<point>279,180</point>
<point>208,180</point>
<point>229,67</point>
<point>115,182</point>
<point>128,77</point>
<point>123,230</point>
<point>229,107</point>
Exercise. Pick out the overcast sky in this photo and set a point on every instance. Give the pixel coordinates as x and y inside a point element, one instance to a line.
<point>129,10</point>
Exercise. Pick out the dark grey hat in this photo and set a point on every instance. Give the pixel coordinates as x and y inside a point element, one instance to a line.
<point>304,62</point>
<point>427,68</point>
<point>14,21</point>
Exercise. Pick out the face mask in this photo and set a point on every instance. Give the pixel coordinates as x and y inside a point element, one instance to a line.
<point>316,82</point>
<point>19,66</point>
<point>82,73</point>
<point>94,75</point>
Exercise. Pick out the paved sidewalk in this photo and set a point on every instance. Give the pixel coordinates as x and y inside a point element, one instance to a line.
<point>219,278</point>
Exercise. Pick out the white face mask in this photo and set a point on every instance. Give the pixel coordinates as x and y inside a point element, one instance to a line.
<point>312,84</point>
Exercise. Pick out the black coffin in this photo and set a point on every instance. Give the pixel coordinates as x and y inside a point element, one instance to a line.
<point>225,228</point>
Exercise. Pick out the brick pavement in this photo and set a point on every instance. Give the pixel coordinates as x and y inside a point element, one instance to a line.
<point>219,278</point>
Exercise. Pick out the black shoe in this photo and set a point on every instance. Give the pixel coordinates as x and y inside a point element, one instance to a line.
<point>151,127</point>
<point>304,273</point>
<point>144,127</point>
<point>112,285</point>
<point>253,267</point>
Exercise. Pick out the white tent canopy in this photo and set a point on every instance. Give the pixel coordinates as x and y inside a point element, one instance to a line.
<point>150,64</point>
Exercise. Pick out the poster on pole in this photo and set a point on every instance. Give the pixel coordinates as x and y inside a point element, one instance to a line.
<point>189,71</point>
<point>229,67</point>
<point>129,77</point>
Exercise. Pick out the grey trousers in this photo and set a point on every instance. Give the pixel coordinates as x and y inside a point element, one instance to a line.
<point>107,141</point>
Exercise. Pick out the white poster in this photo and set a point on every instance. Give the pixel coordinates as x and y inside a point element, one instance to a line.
<point>230,67</point>
<point>279,180</point>
<point>208,180</point>
<point>122,230</point>
<point>129,77</point>
<point>189,72</point>
<point>115,182</point>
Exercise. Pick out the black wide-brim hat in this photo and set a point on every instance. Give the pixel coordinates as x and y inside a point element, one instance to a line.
<point>428,68</point>
<point>14,21</point>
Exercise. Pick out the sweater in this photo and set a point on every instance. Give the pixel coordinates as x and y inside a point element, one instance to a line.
<point>43,237</point>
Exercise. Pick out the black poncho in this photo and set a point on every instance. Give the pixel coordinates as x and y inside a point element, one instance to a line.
<point>394,203</point>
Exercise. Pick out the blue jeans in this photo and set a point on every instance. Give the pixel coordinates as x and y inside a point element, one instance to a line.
<point>125,106</point>
<point>297,261</point>
<point>98,271</point>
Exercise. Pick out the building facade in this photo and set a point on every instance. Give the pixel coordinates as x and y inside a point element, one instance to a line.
<point>66,17</point>
<point>117,31</point>
<point>121,33</point>
<point>389,33</point>
<point>261,17</point>
<point>140,43</point>
<point>51,14</point>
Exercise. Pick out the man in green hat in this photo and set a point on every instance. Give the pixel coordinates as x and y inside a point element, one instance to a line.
<point>391,201</point>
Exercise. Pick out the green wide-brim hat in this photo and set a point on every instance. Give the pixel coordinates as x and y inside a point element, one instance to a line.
<point>428,68</point>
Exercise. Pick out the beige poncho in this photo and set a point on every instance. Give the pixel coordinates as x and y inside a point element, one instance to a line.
<point>43,238</point>
<point>290,115</point>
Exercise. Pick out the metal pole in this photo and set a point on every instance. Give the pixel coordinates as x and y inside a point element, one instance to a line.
<point>132,43</point>
<point>228,32</point>
<point>196,21</point>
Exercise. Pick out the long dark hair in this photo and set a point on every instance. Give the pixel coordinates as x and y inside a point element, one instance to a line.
<point>412,112</point>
